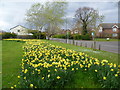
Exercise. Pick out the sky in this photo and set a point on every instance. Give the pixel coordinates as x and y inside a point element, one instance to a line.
<point>12,12</point>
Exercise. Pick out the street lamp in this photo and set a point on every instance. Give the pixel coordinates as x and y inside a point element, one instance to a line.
<point>93,37</point>
<point>73,30</point>
<point>66,31</point>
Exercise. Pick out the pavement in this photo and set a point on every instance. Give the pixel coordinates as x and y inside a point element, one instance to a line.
<point>110,46</point>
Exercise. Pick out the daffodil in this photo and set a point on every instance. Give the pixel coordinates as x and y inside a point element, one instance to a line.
<point>111,69</point>
<point>96,71</point>
<point>12,87</point>
<point>104,78</point>
<point>58,77</point>
<point>116,75</point>
<point>48,75</point>
<point>31,85</point>
<point>18,76</point>
<point>42,78</point>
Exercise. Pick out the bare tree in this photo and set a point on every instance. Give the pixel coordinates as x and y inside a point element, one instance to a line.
<point>87,16</point>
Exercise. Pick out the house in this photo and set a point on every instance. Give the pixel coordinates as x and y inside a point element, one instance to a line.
<point>76,31</point>
<point>111,30</point>
<point>19,30</point>
<point>64,31</point>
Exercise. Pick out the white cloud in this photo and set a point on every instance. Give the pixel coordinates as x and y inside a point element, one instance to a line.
<point>60,0</point>
<point>12,12</point>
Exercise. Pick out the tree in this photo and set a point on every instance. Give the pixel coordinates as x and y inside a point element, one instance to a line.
<point>35,17</point>
<point>54,13</point>
<point>47,16</point>
<point>87,17</point>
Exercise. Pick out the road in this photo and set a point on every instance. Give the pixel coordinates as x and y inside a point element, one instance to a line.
<point>110,46</point>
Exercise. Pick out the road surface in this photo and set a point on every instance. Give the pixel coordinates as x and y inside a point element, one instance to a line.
<point>110,46</point>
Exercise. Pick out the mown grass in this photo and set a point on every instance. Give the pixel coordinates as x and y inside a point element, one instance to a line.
<point>11,59</point>
<point>0,64</point>
<point>111,57</point>
<point>105,39</point>
<point>81,79</point>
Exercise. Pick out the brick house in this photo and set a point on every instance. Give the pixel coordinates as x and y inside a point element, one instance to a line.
<point>76,30</point>
<point>111,30</point>
<point>64,31</point>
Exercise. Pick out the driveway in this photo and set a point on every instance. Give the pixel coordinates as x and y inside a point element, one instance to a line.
<point>110,46</point>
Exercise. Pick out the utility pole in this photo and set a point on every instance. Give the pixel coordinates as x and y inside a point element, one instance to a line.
<point>66,32</point>
<point>73,31</point>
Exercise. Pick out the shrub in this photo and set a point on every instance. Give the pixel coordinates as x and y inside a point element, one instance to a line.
<point>42,36</point>
<point>25,36</point>
<point>39,35</point>
<point>59,36</point>
<point>77,37</point>
<point>86,37</point>
<point>63,36</point>
<point>8,35</point>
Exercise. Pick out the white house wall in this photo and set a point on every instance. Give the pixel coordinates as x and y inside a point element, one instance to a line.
<point>22,30</point>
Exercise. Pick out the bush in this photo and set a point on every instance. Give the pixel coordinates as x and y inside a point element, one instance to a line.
<point>25,36</point>
<point>77,37</point>
<point>59,36</point>
<point>86,37</point>
<point>41,35</point>
<point>8,35</point>
<point>63,36</point>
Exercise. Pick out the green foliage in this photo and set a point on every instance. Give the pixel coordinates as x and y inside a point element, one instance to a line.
<point>37,34</point>
<point>48,15</point>
<point>59,36</point>
<point>80,81</point>
<point>42,36</point>
<point>77,36</point>
<point>8,35</point>
<point>25,36</point>
<point>53,66</point>
<point>63,36</point>
<point>11,58</point>
<point>86,37</point>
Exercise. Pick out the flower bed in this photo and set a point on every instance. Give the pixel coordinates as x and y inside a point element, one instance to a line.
<point>49,66</point>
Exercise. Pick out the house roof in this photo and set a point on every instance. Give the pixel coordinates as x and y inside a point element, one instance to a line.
<point>17,26</point>
<point>109,25</point>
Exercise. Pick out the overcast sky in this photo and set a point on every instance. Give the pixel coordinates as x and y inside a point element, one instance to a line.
<point>12,12</point>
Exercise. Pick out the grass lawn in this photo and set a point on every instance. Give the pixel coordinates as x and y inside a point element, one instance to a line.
<point>112,57</point>
<point>11,59</point>
<point>12,55</point>
<point>0,64</point>
<point>104,39</point>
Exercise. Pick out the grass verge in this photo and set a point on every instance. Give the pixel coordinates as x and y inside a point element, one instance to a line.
<point>111,57</point>
<point>11,59</point>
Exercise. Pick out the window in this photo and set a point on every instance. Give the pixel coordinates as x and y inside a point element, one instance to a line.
<point>114,29</point>
<point>18,30</point>
<point>114,34</point>
<point>76,32</point>
<point>100,30</point>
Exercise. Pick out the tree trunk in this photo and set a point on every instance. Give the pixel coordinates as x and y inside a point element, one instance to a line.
<point>48,37</point>
<point>84,32</point>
